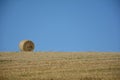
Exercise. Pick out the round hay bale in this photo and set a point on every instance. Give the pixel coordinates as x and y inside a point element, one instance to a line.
<point>26,45</point>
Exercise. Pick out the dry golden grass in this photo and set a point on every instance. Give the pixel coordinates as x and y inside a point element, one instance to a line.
<point>59,66</point>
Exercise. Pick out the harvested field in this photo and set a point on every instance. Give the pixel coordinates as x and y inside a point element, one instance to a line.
<point>59,66</point>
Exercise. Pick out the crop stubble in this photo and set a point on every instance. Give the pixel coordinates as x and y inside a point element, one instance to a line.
<point>59,66</point>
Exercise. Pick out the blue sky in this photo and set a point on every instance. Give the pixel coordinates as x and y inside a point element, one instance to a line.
<point>61,25</point>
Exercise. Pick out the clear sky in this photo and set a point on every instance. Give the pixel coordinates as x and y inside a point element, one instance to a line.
<point>61,25</point>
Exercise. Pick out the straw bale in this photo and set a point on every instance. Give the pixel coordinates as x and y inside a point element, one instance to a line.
<point>26,45</point>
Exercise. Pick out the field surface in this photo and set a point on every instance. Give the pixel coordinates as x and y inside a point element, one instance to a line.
<point>59,66</point>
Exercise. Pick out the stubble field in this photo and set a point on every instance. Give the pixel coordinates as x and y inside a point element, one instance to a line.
<point>59,66</point>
